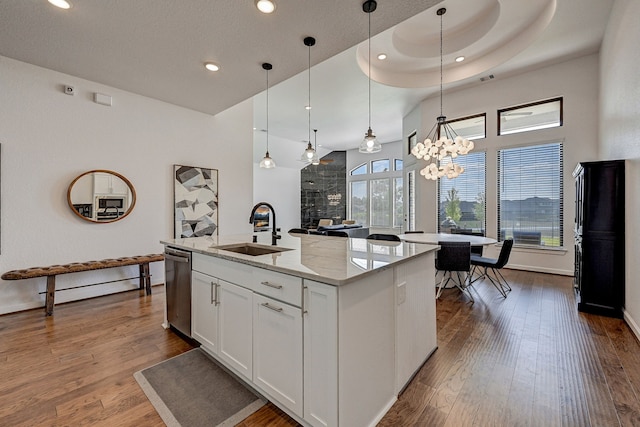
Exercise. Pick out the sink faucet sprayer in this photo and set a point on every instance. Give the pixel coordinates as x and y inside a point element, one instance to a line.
<point>274,232</point>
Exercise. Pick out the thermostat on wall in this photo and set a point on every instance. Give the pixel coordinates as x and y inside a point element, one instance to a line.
<point>101,98</point>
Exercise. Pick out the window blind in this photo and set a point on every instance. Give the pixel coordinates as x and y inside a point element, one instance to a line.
<point>530,202</point>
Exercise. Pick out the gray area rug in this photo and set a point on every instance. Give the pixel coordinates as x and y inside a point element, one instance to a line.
<point>192,390</point>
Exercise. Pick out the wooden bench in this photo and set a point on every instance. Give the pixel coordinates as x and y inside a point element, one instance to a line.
<point>52,271</point>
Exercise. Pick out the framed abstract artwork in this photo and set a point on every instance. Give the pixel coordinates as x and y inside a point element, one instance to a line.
<point>195,197</point>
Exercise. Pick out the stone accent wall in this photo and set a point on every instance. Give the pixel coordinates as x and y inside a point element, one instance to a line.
<point>323,190</point>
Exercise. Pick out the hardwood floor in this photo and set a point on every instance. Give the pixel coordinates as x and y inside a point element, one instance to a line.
<point>529,360</point>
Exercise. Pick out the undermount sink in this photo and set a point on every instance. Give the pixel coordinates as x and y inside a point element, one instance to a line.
<point>252,249</point>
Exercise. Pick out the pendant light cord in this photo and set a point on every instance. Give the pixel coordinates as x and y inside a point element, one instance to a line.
<point>441,63</point>
<point>309,104</point>
<point>369,62</point>
<point>267,111</point>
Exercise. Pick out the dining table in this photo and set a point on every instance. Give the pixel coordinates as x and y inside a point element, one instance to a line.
<point>434,238</point>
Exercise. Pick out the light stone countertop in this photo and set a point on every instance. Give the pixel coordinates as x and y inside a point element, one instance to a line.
<point>332,260</point>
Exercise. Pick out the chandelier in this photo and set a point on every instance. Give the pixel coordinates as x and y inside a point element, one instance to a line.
<point>442,144</point>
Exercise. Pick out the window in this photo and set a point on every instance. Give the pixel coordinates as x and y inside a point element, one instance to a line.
<point>378,166</point>
<point>411,202</point>
<point>532,116</point>
<point>470,127</point>
<point>380,203</point>
<point>530,194</point>
<point>376,197</point>
<point>461,200</point>
<point>398,207</point>
<point>359,203</point>
<point>360,170</point>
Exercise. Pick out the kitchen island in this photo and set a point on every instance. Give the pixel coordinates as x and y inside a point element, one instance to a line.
<point>330,329</point>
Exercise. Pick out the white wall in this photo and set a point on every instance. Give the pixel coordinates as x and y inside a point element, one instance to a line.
<point>620,130</point>
<point>280,187</point>
<point>577,82</point>
<point>48,138</point>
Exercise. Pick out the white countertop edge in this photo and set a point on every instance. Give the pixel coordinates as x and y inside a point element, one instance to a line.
<point>259,261</point>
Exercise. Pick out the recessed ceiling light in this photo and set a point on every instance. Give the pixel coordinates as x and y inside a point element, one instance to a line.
<point>265,6</point>
<point>382,56</point>
<point>62,4</point>
<point>211,66</point>
<point>460,59</point>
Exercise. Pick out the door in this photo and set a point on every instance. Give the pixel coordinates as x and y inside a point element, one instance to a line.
<point>277,351</point>
<point>235,327</point>
<point>204,310</point>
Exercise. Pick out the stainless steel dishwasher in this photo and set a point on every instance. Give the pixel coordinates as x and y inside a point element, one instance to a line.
<point>177,265</point>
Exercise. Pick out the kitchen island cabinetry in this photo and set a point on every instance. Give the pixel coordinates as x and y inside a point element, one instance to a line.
<point>204,310</point>
<point>235,319</point>
<point>277,351</point>
<point>330,330</point>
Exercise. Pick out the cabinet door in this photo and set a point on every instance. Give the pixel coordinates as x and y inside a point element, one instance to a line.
<point>204,310</point>
<point>277,351</point>
<point>234,316</point>
<point>320,354</point>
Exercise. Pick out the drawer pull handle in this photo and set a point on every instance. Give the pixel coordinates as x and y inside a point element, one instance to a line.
<point>270,307</point>
<point>271,285</point>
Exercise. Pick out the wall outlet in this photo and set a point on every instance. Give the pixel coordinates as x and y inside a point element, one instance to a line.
<point>69,90</point>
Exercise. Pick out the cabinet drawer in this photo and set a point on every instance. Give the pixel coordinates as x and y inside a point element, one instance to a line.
<point>277,285</point>
<point>232,272</point>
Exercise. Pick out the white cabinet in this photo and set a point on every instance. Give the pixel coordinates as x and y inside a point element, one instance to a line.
<point>320,354</point>
<point>106,183</point>
<point>235,327</point>
<point>277,351</point>
<point>204,310</point>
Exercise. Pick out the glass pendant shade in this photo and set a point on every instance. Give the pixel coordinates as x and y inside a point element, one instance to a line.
<point>267,162</point>
<point>309,155</point>
<point>370,143</point>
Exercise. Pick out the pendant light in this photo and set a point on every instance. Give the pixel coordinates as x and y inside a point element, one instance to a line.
<point>309,155</point>
<point>316,160</point>
<point>267,162</point>
<point>369,144</point>
<point>442,142</point>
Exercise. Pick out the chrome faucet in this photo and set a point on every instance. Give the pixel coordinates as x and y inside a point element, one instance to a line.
<point>274,232</point>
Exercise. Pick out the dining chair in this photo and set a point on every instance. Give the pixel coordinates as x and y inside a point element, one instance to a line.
<point>299,231</point>
<point>454,257</point>
<point>494,265</point>
<point>337,233</point>
<point>475,250</point>
<point>387,237</point>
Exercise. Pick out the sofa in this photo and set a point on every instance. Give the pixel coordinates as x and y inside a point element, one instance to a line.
<point>353,230</point>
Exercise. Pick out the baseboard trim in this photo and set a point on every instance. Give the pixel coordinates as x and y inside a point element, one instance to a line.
<point>631,323</point>
<point>537,269</point>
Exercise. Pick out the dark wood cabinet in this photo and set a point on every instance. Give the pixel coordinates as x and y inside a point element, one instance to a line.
<point>599,237</point>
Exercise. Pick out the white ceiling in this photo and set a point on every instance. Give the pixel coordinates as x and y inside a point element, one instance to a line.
<point>157,48</point>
